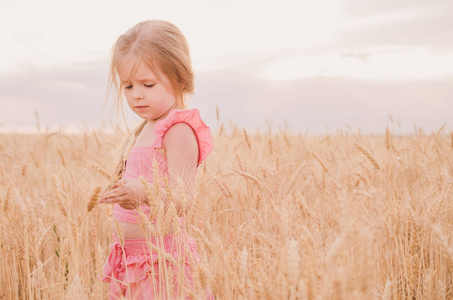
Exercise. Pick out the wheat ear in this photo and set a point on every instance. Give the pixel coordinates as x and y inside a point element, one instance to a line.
<point>367,155</point>
<point>94,199</point>
<point>320,162</point>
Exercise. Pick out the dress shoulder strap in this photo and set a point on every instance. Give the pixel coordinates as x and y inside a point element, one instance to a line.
<point>193,119</point>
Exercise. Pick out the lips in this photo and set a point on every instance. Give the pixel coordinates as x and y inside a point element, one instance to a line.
<point>141,106</point>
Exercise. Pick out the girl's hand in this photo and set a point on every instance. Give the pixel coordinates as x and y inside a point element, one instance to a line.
<point>129,194</point>
<point>114,184</point>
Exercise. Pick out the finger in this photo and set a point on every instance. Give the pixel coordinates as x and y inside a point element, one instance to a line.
<point>108,195</point>
<point>117,192</point>
<point>115,198</point>
<point>108,201</point>
<point>111,198</point>
<point>126,202</point>
<point>114,185</point>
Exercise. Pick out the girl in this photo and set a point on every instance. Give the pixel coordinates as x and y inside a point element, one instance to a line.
<point>151,256</point>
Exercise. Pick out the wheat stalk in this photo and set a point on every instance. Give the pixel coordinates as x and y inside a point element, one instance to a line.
<point>387,138</point>
<point>7,198</point>
<point>320,162</point>
<point>119,232</point>
<point>451,137</point>
<point>102,172</point>
<point>293,263</point>
<point>387,295</point>
<point>23,172</point>
<point>247,139</point>
<point>367,155</point>
<point>61,205</point>
<point>298,246</point>
<point>94,199</point>
<point>63,161</point>
<point>443,243</point>
<point>85,141</point>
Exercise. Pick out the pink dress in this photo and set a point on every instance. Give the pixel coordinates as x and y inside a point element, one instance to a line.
<point>137,272</point>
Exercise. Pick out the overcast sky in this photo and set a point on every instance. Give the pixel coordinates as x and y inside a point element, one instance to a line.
<point>319,65</point>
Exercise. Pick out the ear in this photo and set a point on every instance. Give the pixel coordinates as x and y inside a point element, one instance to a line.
<point>181,86</point>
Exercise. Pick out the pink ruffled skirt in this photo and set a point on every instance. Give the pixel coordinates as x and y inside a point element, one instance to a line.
<point>155,269</point>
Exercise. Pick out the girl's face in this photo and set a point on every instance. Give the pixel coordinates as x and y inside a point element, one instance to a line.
<point>148,95</point>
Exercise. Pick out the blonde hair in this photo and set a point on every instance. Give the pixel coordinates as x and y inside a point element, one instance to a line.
<point>159,44</point>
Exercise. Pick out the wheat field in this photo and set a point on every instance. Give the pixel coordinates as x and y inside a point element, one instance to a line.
<point>276,216</point>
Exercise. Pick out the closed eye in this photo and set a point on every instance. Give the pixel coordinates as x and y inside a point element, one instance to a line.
<point>149,85</point>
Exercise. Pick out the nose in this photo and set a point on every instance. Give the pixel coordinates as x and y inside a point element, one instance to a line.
<point>137,94</point>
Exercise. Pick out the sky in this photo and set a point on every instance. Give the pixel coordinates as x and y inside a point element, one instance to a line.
<point>314,67</point>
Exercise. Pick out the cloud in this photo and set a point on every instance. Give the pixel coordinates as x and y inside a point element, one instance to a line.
<point>373,7</point>
<point>75,94</point>
<point>363,56</point>
<point>403,22</point>
<point>319,103</point>
<point>60,96</point>
<point>385,63</point>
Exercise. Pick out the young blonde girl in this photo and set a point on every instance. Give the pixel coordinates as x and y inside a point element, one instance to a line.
<point>151,256</point>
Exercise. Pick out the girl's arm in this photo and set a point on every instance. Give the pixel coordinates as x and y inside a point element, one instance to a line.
<point>181,148</point>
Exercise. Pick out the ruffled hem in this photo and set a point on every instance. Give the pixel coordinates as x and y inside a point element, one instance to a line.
<point>193,119</point>
<point>139,260</point>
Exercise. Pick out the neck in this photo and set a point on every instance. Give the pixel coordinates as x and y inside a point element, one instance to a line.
<point>162,116</point>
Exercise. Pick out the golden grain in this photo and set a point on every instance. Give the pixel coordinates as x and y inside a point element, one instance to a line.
<point>65,251</point>
<point>447,250</point>
<point>367,155</point>
<point>293,263</point>
<point>387,138</point>
<point>265,227</point>
<point>156,179</point>
<point>320,162</point>
<point>102,172</point>
<point>150,198</point>
<point>387,295</point>
<point>7,198</point>
<point>224,189</point>
<point>247,139</point>
<point>61,205</point>
<point>85,141</point>
<point>221,130</point>
<point>23,171</point>
<point>451,137</point>
<point>119,232</point>
<point>94,198</point>
<point>63,161</point>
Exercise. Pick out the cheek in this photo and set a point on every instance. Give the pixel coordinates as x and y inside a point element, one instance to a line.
<point>128,98</point>
<point>168,94</point>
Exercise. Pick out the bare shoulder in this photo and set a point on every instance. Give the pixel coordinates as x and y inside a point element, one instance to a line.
<point>180,134</point>
<point>181,147</point>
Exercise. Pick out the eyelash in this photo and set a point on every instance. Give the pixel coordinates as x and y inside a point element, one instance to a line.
<point>146,85</point>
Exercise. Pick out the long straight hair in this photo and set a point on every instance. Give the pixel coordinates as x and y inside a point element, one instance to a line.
<point>160,45</point>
